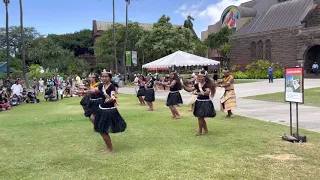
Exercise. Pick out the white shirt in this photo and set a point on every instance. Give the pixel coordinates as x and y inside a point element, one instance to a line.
<point>17,89</point>
<point>41,83</point>
<point>315,66</point>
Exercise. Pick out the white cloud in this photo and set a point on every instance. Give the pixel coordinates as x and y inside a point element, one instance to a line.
<point>214,11</point>
<point>211,13</point>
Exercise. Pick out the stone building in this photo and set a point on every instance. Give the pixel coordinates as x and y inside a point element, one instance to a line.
<point>287,32</point>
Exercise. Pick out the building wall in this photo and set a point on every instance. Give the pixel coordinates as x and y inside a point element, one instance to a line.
<point>283,48</point>
<point>314,19</point>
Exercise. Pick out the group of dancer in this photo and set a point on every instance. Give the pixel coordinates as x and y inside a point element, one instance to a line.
<point>100,106</point>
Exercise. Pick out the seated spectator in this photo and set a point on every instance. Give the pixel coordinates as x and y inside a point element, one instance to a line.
<point>17,90</point>
<point>4,100</point>
<point>14,101</point>
<point>49,94</point>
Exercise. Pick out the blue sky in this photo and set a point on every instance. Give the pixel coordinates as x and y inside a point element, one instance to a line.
<point>67,16</point>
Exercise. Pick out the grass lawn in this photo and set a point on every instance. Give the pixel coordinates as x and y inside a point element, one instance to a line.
<point>241,81</point>
<point>53,140</point>
<point>311,97</point>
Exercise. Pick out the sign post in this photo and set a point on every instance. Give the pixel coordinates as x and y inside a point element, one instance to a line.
<point>134,58</point>
<point>128,58</point>
<point>294,93</point>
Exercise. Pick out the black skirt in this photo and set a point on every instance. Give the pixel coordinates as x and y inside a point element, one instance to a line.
<point>141,92</point>
<point>109,120</point>
<point>204,108</point>
<point>174,98</point>
<point>84,103</point>
<point>149,95</point>
<point>93,105</point>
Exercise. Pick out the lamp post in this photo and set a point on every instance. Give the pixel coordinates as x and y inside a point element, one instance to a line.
<point>6,2</point>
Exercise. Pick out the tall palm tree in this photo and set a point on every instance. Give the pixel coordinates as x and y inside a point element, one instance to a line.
<point>188,22</point>
<point>114,38</point>
<point>6,2</point>
<point>125,41</point>
<point>23,51</point>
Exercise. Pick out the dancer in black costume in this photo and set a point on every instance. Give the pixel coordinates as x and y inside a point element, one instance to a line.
<point>149,93</point>
<point>108,119</point>
<point>174,97</point>
<point>142,89</point>
<point>89,102</point>
<point>203,107</point>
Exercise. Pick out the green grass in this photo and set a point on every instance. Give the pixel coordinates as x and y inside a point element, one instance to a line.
<point>311,97</point>
<point>242,81</point>
<point>53,140</point>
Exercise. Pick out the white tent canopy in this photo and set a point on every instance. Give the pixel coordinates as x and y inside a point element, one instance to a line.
<point>180,58</point>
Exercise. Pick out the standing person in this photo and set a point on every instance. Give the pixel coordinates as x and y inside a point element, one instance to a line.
<point>142,89</point>
<point>57,83</point>
<point>164,81</point>
<point>78,80</point>
<point>108,119</point>
<point>41,85</point>
<point>35,87</point>
<point>315,68</point>
<point>149,95</point>
<point>205,90</point>
<point>174,97</point>
<point>270,74</point>
<point>215,75</point>
<point>228,100</point>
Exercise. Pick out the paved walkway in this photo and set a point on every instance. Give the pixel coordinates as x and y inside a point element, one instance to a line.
<point>309,117</point>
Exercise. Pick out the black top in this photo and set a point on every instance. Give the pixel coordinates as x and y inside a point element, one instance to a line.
<point>49,92</point>
<point>106,92</point>
<point>174,88</point>
<point>150,84</point>
<point>141,86</point>
<point>196,86</point>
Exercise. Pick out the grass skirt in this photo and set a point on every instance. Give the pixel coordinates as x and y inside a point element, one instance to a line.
<point>84,103</point>
<point>109,120</point>
<point>174,99</point>
<point>149,95</point>
<point>141,92</point>
<point>93,105</point>
<point>204,108</point>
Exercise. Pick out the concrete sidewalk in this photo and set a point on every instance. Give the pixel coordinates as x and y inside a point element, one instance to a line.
<point>309,117</point>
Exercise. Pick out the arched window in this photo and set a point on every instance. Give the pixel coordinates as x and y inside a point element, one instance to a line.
<point>260,50</point>
<point>253,51</point>
<point>268,50</point>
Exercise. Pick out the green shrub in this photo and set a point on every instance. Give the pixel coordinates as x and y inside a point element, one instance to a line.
<point>17,74</point>
<point>259,69</point>
<point>240,75</point>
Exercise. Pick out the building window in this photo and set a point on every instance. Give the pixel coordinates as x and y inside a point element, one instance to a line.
<point>259,50</point>
<point>253,51</point>
<point>268,50</point>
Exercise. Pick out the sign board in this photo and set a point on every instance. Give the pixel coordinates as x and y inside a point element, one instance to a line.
<point>294,85</point>
<point>128,58</point>
<point>134,58</point>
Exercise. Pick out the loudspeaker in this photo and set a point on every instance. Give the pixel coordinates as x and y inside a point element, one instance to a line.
<point>301,138</point>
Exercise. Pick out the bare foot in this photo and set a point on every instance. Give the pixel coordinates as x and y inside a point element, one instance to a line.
<point>190,110</point>
<point>178,117</point>
<point>205,133</point>
<point>173,117</point>
<point>150,109</point>
<point>107,150</point>
<point>198,134</point>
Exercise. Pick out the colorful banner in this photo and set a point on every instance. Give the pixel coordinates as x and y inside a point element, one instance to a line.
<point>294,88</point>
<point>134,58</point>
<point>128,58</point>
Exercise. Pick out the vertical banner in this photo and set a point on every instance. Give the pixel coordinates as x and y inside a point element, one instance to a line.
<point>128,58</point>
<point>294,85</point>
<point>134,58</point>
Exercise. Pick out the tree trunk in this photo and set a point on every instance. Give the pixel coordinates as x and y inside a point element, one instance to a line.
<point>125,42</point>
<point>114,38</point>
<point>23,51</point>
<point>8,43</point>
